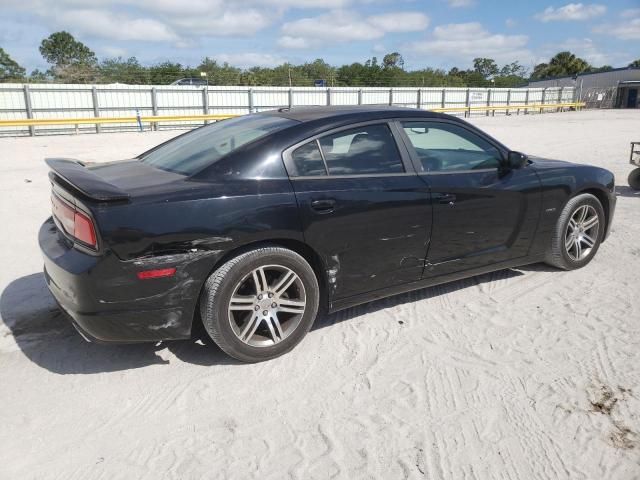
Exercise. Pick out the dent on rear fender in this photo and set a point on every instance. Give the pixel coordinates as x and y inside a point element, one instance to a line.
<point>192,268</point>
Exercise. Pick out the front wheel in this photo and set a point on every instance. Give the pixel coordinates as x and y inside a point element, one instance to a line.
<point>260,304</point>
<point>634,179</point>
<point>578,233</point>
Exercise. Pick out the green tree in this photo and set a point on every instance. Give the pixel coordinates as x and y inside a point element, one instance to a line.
<point>10,70</point>
<point>119,70</point>
<point>561,65</point>
<point>635,64</point>
<point>487,67</point>
<point>39,76</point>
<point>165,73</point>
<point>393,60</point>
<point>70,59</point>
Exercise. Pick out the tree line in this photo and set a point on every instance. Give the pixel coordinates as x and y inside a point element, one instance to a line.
<point>71,61</point>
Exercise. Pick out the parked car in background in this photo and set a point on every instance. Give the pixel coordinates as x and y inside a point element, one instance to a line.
<point>190,82</point>
<point>256,224</point>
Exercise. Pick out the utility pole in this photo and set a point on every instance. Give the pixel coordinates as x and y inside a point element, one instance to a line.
<point>290,76</point>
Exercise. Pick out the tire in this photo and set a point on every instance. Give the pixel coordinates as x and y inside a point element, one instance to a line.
<point>243,329</point>
<point>569,245</point>
<point>634,179</point>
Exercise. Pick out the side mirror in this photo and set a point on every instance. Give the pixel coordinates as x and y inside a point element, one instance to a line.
<point>515,160</point>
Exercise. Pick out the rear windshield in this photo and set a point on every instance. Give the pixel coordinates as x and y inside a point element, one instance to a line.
<point>204,146</point>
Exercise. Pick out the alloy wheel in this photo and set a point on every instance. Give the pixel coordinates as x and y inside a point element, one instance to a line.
<point>267,305</point>
<point>582,232</point>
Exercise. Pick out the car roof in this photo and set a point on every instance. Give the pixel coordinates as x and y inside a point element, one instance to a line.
<point>354,113</point>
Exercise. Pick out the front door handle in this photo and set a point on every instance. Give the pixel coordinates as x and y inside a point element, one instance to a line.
<point>326,205</point>
<point>447,198</point>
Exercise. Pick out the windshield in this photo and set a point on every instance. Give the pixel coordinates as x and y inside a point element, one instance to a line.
<point>204,146</point>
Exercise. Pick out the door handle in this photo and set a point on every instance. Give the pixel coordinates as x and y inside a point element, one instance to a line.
<point>447,198</point>
<point>326,205</point>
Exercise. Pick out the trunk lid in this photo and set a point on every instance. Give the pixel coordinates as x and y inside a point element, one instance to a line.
<point>107,182</point>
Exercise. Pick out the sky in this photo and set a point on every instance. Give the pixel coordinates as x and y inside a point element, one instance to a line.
<point>435,33</point>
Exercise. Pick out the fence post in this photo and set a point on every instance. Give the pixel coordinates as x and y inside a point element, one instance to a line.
<point>509,102</point>
<point>205,102</point>
<point>391,96</point>
<point>544,94</point>
<point>560,98</point>
<point>328,95</point>
<point>442,100</point>
<point>359,96</point>
<point>27,106</point>
<point>526,101</point>
<point>419,99</point>
<point>467,104</point>
<point>250,93</point>
<point>290,98</point>
<point>154,106</point>
<point>488,101</point>
<point>96,108</point>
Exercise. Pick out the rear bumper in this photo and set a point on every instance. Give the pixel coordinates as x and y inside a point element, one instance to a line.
<point>108,303</point>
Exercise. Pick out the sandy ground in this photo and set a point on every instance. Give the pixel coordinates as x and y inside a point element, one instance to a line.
<point>519,374</point>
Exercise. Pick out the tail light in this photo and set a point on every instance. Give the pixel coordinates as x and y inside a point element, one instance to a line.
<point>74,222</point>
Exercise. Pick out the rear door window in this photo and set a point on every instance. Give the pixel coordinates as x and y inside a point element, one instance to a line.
<point>366,150</point>
<point>307,160</point>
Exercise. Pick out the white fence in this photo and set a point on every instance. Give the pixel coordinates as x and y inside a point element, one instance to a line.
<point>45,101</point>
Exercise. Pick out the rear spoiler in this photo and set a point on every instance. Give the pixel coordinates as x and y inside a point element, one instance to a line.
<point>74,174</point>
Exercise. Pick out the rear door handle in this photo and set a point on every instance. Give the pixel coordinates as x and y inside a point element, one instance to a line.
<point>447,198</point>
<point>326,205</point>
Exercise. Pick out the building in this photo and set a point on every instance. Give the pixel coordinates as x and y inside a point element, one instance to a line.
<point>617,88</point>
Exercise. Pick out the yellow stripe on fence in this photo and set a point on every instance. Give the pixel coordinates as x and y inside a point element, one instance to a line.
<point>33,122</point>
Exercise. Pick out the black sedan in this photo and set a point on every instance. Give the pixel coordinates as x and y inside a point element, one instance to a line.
<point>254,225</point>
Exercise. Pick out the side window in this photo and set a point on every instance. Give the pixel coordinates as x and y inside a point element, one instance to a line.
<point>362,151</point>
<point>443,147</point>
<point>307,160</point>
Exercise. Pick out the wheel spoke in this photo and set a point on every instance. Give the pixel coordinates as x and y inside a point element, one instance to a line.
<point>578,250</point>
<point>590,222</point>
<point>285,282</point>
<point>250,328</point>
<point>570,241</point>
<point>588,241</point>
<point>260,280</point>
<point>274,319</point>
<point>241,303</point>
<point>583,213</point>
<point>572,224</point>
<point>275,337</point>
<point>291,306</point>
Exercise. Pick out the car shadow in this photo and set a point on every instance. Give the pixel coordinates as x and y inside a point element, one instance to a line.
<point>46,337</point>
<point>625,191</point>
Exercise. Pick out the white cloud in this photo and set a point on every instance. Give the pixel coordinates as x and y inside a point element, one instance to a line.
<point>250,59</point>
<point>294,42</point>
<point>346,26</point>
<point>465,41</point>
<point>104,24</point>
<point>461,3</point>
<point>626,29</point>
<point>511,23</point>
<point>400,21</point>
<point>571,12</point>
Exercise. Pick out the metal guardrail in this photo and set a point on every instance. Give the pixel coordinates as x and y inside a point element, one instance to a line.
<point>186,118</point>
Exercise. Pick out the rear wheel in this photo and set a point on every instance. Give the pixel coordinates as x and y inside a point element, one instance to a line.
<point>578,233</point>
<point>634,179</point>
<point>259,305</point>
